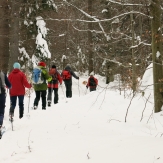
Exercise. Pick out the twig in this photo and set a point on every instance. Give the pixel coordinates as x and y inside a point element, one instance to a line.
<point>129,107</point>
<point>88,156</point>
<point>29,143</point>
<point>103,98</point>
<point>114,120</point>
<point>99,95</point>
<point>149,117</point>
<point>144,108</point>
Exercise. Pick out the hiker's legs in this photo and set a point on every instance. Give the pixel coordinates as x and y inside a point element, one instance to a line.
<point>92,89</point>
<point>21,106</point>
<point>55,95</point>
<point>2,107</point>
<point>13,100</point>
<point>43,96</point>
<point>69,90</point>
<point>37,98</point>
<point>49,98</point>
<point>66,85</point>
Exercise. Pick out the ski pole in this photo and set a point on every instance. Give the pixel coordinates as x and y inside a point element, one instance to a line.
<point>29,99</point>
<point>78,88</point>
<point>86,91</point>
<point>63,93</point>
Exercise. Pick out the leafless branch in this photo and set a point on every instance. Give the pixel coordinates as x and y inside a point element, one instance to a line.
<point>144,108</point>
<point>129,107</point>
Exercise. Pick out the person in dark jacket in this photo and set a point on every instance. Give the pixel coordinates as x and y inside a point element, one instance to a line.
<point>4,82</point>
<point>92,83</point>
<point>53,85</point>
<point>40,89</point>
<point>19,82</point>
<point>68,82</point>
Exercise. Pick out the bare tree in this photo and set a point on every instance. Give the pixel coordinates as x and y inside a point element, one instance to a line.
<point>14,33</point>
<point>155,8</point>
<point>90,43</point>
<point>4,33</point>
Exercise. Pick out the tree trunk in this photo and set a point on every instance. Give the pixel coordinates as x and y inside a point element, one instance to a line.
<point>133,56</point>
<point>90,43</point>
<point>14,34</point>
<point>4,33</point>
<point>155,9</point>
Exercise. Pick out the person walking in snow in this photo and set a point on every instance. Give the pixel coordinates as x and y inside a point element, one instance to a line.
<point>41,87</point>
<point>92,83</point>
<point>3,82</point>
<point>53,85</point>
<point>67,74</point>
<point>19,82</point>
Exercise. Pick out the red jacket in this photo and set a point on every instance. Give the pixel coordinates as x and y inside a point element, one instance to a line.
<point>18,81</point>
<point>96,82</point>
<point>54,83</point>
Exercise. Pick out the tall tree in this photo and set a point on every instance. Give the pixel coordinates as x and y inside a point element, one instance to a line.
<point>90,43</point>
<point>4,32</point>
<point>14,33</point>
<point>155,8</point>
<point>133,54</point>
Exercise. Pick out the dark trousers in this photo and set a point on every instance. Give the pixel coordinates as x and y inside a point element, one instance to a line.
<point>2,107</point>
<point>93,89</point>
<point>50,91</point>
<point>13,100</point>
<point>41,94</point>
<point>68,89</point>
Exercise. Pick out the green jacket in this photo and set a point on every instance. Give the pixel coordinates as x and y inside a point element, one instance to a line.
<point>43,86</point>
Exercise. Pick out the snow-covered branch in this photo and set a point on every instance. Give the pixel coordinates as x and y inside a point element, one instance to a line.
<point>125,4</point>
<point>98,20</point>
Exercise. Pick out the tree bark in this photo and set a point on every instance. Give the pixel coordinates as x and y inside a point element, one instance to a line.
<point>14,34</point>
<point>90,42</point>
<point>4,33</point>
<point>155,9</point>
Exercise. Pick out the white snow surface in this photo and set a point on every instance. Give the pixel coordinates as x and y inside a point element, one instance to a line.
<point>90,127</point>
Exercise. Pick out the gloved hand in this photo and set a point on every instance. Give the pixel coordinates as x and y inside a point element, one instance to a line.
<point>87,86</point>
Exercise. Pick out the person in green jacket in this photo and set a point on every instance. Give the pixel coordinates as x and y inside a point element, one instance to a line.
<point>40,89</point>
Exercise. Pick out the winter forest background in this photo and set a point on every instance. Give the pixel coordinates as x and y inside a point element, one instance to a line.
<point>117,39</point>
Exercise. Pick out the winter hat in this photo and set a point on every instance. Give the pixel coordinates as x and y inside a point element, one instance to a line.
<point>53,66</point>
<point>68,65</point>
<point>42,64</point>
<point>91,74</point>
<point>16,65</point>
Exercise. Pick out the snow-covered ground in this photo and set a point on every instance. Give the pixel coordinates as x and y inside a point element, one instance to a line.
<point>89,127</point>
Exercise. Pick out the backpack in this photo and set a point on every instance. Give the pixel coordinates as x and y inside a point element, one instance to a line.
<point>92,82</point>
<point>53,73</point>
<point>66,75</point>
<point>37,77</point>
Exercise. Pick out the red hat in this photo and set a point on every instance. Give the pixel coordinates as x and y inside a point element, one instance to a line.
<point>42,64</point>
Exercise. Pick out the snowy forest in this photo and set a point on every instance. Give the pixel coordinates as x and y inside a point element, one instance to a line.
<point>112,38</point>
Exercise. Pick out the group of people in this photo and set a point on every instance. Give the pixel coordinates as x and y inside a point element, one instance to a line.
<point>17,81</point>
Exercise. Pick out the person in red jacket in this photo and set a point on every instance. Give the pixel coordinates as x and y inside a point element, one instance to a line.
<point>18,81</point>
<point>53,85</point>
<point>92,83</point>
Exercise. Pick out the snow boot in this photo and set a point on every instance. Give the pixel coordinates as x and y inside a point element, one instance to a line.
<point>11,117</point>
<point>49,103</point>
<point>35,107</point>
